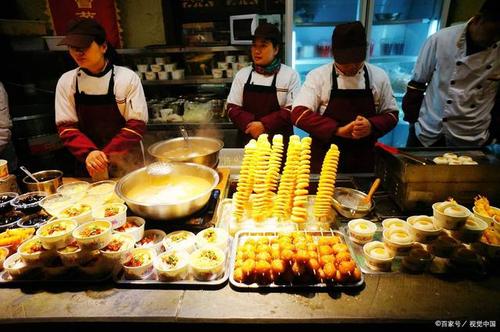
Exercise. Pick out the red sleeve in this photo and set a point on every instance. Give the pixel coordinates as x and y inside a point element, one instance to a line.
<point>126,138</point>
<point>239,116</point>
<point>383,123</point>
<point>77,142</point>
<point>319,127</point>
<point>276,122</point>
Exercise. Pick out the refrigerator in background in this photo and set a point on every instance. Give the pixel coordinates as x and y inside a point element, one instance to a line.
<point>396,30</point>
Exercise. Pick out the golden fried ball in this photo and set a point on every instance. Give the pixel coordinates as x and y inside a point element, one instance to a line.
<point>325,250</point>
<point>264,256</point>
<point>248,267</point>
<point>313,264</point>
<point>278,266</point>
<point>326,259</point>
<point>287,254</point>
<point>342,256</point>
<point>238,275</point>
<point>262,267</point>
<point>339,247</point>
<point>347,267</point>
<point>329,270</point>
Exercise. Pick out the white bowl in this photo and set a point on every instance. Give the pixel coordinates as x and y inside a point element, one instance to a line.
<point>75,190</point>
<point>81,213</point>
<point>361,231</point>
<point>144,256</point>
<point>73,255</point>
<point>57,234</point>
<point>398,239</point>
<point>133,226</point>
<point>473,229</point>
<point>423,228</point>
<point>118,250</point>
<point>207,263</point>
<point>153,238</point>
<point>172,265</point>
<point>377,256</point>
<point>93,235</point>
<point>393,222</point>
<point>16,267</point>
<point>180,241</point>
<point>450,215</point>
<point>33,253</point>
<point>115,213</point>
<point>212,236</point>
<point>102,191</point>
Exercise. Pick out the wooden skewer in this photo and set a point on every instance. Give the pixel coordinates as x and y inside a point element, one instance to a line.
<point>373,188</point>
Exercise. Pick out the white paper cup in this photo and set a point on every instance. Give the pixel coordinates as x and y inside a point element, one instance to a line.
<point>242,58</point>
<point>142,68</point>
<point>161,60</point>
<point>222,65</point>
<point>230,58</point>
<point>162,75</point>
<point>150,76</point>
<point>229,73</point>
<point>156,68</point>
<point>178,74</point>
<point>217,73</point>
<point>170,66</point>
<point>4,169</point>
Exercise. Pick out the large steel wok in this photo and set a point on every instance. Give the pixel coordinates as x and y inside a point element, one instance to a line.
<point>172,210</point>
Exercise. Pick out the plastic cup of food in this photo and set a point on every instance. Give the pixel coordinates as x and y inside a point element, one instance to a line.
<point>70,255</point>
<point>172,265</point>
<point>152,239</point>
<point>170,67</point>
<point>229,73</point>
<point>81,213</point>
<point>29,203</point>
<point>17,267</point>
<point>472,230</point>
<point>4,252</point>
<point>180,241</point>
<point>118,250</point>
<point>163,75</point>
<point>231,58</point>
<point>156,68</point>
<point>142,68</point>
<point>393,222</point>
<point>178,74</point>
<point>398,239</point>
<point>361,231</point>
<point>207,263</point>
<point>450,215</point>
<point>423,228</point>
<point>5,199</point>
<point>10,220</point>
<point>222,65</point>
<point>140,263</point>
<point>32,252</point>
<point>212,236</point>
<point>102,190</point>
<point>96,267</point>
<point>134,226</point>
<point>377,256</point>
<point>55,203</point>
<point>243,58</point>
<point>93,235</point>
<point>115,213</point>
<point>74,190</point>
<point>57,233</point>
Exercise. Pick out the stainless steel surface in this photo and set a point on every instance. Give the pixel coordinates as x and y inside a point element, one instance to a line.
<point>416,187</point>
<point>348,202</point>
<point>209,157</point>
<point>167,211</point>
<point>54,180</point>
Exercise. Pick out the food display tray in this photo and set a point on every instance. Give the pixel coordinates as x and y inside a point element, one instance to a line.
<point>37,278</point>
<point>152,280</point>
<point>240,238</point>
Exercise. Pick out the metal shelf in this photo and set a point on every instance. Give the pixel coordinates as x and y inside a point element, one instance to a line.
<point>393,58</point>
<point>187,49</point>
<point>190,80</point>
<point>313,61</point>
<point>318,24</point>
<point>394,22</point>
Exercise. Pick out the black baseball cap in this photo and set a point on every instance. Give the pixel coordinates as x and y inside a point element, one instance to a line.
<point>267,31</point>
<point>82,32</point>
<point>349,43</point>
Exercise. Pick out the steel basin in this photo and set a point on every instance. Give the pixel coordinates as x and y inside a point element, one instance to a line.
<point>169,211</point>
<point>49,181</point>
<point>348,211</point>
<point>198,150</point>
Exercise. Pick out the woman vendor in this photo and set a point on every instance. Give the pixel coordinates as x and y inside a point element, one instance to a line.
<point>347,102</point>
<point>261,95</point>
<point>101,110</point>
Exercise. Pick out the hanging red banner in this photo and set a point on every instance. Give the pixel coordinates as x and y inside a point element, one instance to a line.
<point>103,11</point>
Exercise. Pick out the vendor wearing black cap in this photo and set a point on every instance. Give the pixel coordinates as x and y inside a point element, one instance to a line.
<point>347,102</point>
<point>261,95</point>
<point>101,111</point>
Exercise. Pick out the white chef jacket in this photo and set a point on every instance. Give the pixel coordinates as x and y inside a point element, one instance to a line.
<point>315,93</point>
<point>287,85</point>
<point>128,91</point>
<point>461,90</point>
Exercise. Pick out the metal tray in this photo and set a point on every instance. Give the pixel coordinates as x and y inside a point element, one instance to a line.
<point>242,235</point>
<point>152,281</point>
<point>37,277</point>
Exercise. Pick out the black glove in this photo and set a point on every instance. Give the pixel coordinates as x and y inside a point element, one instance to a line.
<point>412,101</point>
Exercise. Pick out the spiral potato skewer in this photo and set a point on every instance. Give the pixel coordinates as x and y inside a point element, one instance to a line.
<point>299,210</point>
<point>284,198</point>
<point>326,186</point>
<point>260,186</point>
<point>273,172</point>
<point>245,183</point>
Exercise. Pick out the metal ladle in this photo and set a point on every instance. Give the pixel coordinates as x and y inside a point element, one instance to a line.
<point>25,170</point>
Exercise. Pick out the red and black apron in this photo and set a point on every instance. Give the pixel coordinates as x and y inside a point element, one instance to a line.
<point>262,100</point>
<point>344,106</point>
<point>98,116</point>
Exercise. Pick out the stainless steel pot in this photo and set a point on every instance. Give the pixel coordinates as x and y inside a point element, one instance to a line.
<point>49,181</point>
<point>198,150</point>
<point>345,201</point>
<point>175,210</point>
